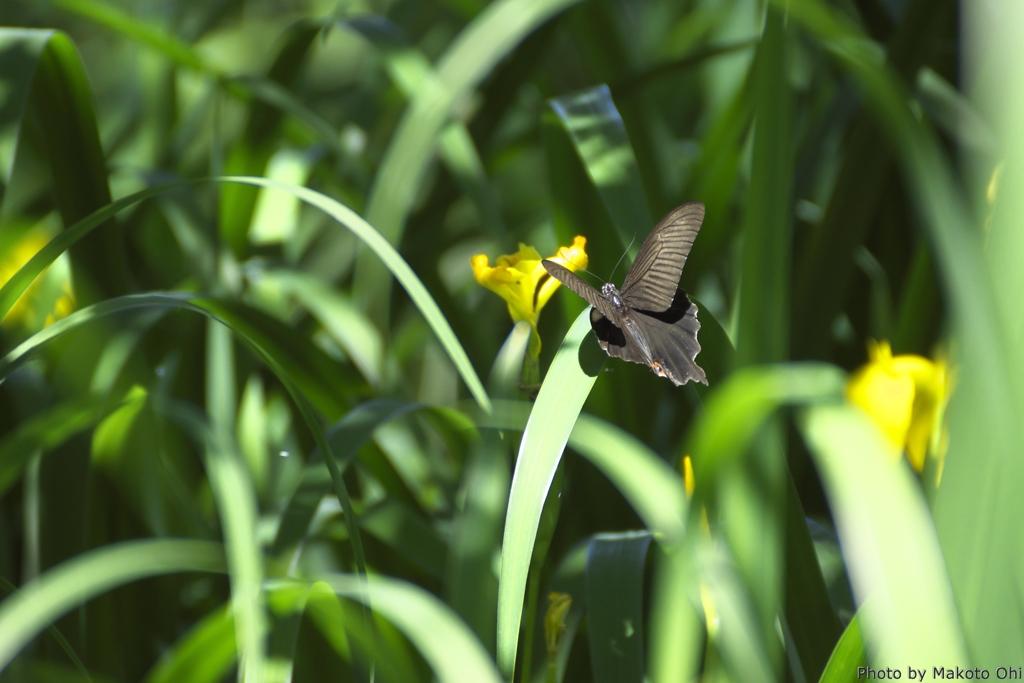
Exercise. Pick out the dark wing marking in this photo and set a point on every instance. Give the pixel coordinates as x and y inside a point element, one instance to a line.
<point>670,335</point>
<point>651,282</point>
<point>578,285</point>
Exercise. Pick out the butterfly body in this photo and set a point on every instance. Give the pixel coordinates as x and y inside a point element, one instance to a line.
<point>650,320</point>
<point>612,294</point>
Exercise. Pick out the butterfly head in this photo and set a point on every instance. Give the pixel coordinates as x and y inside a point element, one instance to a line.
<point>609,292</point>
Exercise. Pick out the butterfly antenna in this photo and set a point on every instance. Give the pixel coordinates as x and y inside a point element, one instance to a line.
<point>622,257</point>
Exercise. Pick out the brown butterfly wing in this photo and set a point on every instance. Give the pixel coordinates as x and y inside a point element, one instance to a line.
<point>578,285</point>
<point>670,337</point>
<point>651,282</point>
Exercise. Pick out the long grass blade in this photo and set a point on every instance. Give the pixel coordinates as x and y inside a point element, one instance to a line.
<point>982,462</point>
<point>489,37</point>
<point>653,488</point>
<point>213,310</point>
<point>888,540</point>
<point>63,110</point>
<point>451,649</point>
<point>203,655</point>
<point>600,138</point>
<point>615,587</point>
<point>82,578</point>
<point>393,261</point>
<point>236,504</point>
<point>20,282</point>
<point>559,402</point>
<point>847,656</point>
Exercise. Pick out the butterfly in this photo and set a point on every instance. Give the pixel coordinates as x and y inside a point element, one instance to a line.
<point>650,321</point>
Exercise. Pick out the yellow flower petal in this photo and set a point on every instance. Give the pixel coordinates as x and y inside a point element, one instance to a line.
<point>573,258</point>
<point>25,312</point>
<point>903,395</point>
<point>688,482</point>
<point>521,280</point>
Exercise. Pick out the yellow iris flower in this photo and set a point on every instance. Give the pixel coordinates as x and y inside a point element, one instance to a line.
<point>27,311</point>
<point>521,280</point>
<point>904,395</point>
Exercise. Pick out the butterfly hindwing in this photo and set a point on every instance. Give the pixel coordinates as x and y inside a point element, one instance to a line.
<point>670,337</point>
<point>651,282</point>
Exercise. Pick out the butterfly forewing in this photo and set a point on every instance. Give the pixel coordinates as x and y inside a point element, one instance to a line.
<point>578,285</point>
<point>651,282</point>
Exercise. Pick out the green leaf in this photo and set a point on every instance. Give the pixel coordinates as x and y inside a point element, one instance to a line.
<point>354,332</point>
<point>147,34</point>
<point>753,496</point>
<point>764,291</point>
<point>471,588</point>
<point>615,616</point>
<point>811,621</point>
<point>713,181</point>
<point>735,412</point>
<point>600,139</point>
<point>347,438</point>
<point>826,267</point>
<point>977,506</point>
<point>236,505</point>
<point>57,636</point>
<point>398,267</point>
<point>20,281</point>
<point>508,365</point>
<point>326,384</point>
<point>569,577</point>
<point>65,587</point>
<point>650,485</point>
<point>561,397</point>
<point>17,285</point>
<point>45,431</point>
<point>409,68</point>
<point>982,462</point>
<point>451,649</point>
<point>267,90</point>
<point>214,310</point>
<point>363,644</point>
<point>406,532</point>
<point>576,206</point>
<point>846,657</point>
<point>469,58</point>
<point>677,632</point>
<point>252,151</point>
<point>735,628</point>
<point>204,655</point>
<point>888,540</point>
<point>737,409</point>
<point>62,102</point>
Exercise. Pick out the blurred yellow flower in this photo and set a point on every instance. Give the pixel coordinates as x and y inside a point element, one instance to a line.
<point>904,395</point>
<point>689,483</point>
<point>711,618</point>
<point>521,280</point>
<point>688,480</point>
<point>34,303</point>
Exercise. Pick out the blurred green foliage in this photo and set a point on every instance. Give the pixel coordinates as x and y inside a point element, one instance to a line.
<point>260,446</point>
